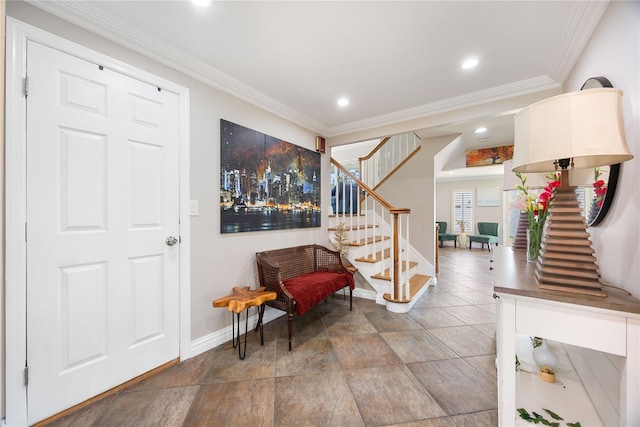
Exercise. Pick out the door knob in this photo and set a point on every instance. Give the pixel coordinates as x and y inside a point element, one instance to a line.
<point>171,241</point>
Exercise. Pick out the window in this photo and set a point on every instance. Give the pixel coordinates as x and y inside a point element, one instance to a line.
<point>463,210</point>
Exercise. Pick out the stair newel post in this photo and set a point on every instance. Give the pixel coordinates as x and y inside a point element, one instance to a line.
<point>358,212</point>
<point>371,248</point>
<point>396,262</point>
<point>407,289</point>
<point>344,199</point>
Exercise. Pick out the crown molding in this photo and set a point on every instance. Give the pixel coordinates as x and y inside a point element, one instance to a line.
<point>584,20</point>
<point>85,16</point>
<point>80,13</point>
<point>511,90</point>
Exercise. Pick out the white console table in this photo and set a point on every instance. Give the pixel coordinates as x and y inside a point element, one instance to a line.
<point>610,324</point>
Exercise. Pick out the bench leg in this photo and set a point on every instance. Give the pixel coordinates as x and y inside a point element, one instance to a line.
<point>260,325</point>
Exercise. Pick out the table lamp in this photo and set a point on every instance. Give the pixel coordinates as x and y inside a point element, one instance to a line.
<point>578,130</point>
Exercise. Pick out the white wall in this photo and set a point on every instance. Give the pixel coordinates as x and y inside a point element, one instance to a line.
<point>444,203</point>
<point>413,186</point>
<point>614,52</point>
<point>218,262</point>
<point>2,336</point>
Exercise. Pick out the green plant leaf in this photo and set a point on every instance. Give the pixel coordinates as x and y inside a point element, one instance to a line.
<point>576,424</point>
<point>553,414</point>
<point>524,414</point>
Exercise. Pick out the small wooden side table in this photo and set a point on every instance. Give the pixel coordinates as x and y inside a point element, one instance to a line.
<point>240,300</point>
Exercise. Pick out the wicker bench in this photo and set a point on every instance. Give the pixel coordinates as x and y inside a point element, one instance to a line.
<point>302,276</point>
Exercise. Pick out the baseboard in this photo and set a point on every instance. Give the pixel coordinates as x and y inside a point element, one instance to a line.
<point>214,339</point>
<point>365,293</point>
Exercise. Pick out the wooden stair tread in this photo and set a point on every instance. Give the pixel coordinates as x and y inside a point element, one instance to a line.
<point>376,257</point>
<point>416,282</point>
<point>368,241</point>
<point>354,227</point>
<point>386,274</point>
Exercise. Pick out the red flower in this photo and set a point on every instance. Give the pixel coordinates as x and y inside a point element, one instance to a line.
<point>600,190</point>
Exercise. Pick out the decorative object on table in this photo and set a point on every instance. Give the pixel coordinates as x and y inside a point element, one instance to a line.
<point>600,191</point>
<point>536,208</point>
<point>535,181</point>
<point>579,130</point>
<point>545,359</point>
<point>240,300</point>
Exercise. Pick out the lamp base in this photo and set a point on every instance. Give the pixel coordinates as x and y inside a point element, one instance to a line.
<point>567,261</point>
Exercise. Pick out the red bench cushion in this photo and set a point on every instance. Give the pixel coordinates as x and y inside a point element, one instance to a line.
<point>311,288</point>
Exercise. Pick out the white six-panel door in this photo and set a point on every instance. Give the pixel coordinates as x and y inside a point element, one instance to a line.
<point>102,199</point>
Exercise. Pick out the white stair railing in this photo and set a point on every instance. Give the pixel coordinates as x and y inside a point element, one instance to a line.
<point>387,157</point>
<point>373,221</point>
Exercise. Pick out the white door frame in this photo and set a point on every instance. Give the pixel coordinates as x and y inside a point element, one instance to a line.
<point>17,34</point>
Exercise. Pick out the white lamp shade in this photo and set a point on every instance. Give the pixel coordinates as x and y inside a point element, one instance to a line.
<point>536,181</point>
<point>585,126</point>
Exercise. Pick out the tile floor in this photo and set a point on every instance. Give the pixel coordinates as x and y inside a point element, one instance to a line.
<point>433,366</point>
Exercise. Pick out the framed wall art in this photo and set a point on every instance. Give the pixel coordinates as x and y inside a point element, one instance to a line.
<point>489,196</point>
<point>266,183</point>
<point>489,156</point>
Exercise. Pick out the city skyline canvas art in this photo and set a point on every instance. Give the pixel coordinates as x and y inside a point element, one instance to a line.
<point>266,183</point>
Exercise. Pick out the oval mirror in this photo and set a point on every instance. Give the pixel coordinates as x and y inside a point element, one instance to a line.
<point>605,178</point>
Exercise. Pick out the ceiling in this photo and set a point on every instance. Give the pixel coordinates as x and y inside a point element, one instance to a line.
<point>394,60</point>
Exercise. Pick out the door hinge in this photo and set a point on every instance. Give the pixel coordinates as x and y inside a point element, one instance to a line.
<point>26,376</point>
<point>26,86</point>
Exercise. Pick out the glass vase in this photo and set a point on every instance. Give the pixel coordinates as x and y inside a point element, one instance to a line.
<point>534,239</point>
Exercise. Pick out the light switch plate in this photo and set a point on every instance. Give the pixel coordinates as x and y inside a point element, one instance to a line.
<point>194,208</point>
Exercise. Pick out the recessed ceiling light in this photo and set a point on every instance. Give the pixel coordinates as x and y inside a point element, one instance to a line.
<point>343,102</point>
<point>202,3</point>
<point>480,130</point>
<point>470,63</point>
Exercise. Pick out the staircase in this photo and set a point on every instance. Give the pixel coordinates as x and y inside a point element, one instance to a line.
<point>373,234</point>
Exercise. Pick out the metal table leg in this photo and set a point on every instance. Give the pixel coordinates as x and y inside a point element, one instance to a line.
<point>236,337</point>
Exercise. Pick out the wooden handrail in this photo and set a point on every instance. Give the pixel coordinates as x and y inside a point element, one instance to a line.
<point>375,150</point>
<point>397,168</point>
<point>368,189</point>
